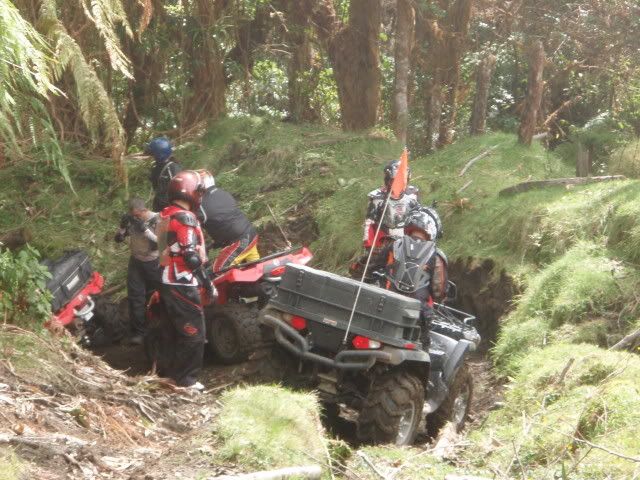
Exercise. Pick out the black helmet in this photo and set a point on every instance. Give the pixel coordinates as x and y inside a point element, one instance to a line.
<point>390,172</point>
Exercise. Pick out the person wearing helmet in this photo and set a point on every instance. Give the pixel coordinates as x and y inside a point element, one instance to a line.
<point>417,268</point>
<point>227,226</point>
<point>392,221</point>
<point>396,211</point>
<point>182,255</point>
<point>164,169</point>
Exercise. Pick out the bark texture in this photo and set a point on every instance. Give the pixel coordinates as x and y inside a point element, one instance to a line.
<point>405,25</point>
<point>483,83</point>
<point>354,52</point>
<point>445,41</point>
<point>302,72</point>
<point>535,88</point>
<point>207,86</point>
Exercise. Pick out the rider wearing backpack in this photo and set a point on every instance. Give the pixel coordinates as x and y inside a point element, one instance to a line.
<point>416,267</point>
<point>163,171</point>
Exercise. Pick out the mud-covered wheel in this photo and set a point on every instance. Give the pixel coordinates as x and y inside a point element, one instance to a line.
<point>107,324</point>
<point>455,408</point>
<point>274,366</point>
<point>392,410</point>
<point>233,332</point>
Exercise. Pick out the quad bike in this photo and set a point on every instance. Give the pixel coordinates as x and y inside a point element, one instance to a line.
<point>77,304</point>
<point>232,325</point>
<point>382,371</point>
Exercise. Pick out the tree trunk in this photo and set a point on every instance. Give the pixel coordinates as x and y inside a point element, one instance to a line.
<point>354,55</point>
<point>433,111</point>
<point>457,28</point>
<point>483,83</point>
<point>583,161</point>
<point>405,22</point>
<point>206,100</point>
<point>535,88</point>
<point>148,72</point>
<point>302,74</point>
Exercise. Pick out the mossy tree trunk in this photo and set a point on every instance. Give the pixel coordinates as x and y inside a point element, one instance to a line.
<point>483,83</point>
<point>446,39</point>
<point>148,64</point>
<point>207,86</point>
<point>354,52</point>
<point>302,74</point>
<point>405,25</point>
<point>535,88</point>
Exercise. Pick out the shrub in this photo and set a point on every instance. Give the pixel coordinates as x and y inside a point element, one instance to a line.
<point>24,298</point>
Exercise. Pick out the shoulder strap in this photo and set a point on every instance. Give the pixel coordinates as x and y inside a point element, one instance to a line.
<point>166,169</point>
<point>186,218</point>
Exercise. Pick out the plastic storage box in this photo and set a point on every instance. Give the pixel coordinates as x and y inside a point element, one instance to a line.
<point>328,299</point>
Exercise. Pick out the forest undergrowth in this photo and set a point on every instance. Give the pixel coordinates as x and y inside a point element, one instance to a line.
<point>570,404</point>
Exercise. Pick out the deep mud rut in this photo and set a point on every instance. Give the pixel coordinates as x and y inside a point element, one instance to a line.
<point>190,451</point>
<point>487,392</point>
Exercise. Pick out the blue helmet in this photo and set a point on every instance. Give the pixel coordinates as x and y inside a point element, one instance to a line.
<point>160,148</point>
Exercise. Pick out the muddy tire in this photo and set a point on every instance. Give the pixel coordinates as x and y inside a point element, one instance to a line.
<point>274,366</point>
<point>455,408</point>
<point>392,410</point>
<point>233,332</point>
<point>108,326</point>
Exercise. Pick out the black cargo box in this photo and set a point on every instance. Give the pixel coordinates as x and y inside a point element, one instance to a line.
<point>328,299</point>
<point>69,274</point>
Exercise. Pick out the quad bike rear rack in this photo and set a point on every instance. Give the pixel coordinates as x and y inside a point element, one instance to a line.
<point>354,360</point>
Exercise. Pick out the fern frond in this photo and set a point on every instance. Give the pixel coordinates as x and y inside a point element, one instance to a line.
<point>106,15</point>
<point>96,106</point>
<point>26,82</point>
<point>145,18</point>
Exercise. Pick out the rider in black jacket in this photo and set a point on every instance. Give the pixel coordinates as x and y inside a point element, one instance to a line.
<point>164,169</point>
<point>225,223</point>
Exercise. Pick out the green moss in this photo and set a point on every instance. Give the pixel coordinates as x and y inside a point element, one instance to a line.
<point>265,427</point>
<point>406,464</point>
<point>597,400</point>
<point>582,284</point>
<point>11,468</point>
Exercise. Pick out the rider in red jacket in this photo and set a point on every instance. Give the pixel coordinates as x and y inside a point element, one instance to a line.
<point>182,256</point>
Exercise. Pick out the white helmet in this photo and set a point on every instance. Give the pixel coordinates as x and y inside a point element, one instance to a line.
<point>207,178</point>
<point>423,221</point>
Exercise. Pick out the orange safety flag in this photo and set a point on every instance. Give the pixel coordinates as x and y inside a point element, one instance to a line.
<point>401,179</point>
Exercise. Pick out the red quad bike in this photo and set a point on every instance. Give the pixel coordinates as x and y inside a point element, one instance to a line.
<point>75,287</point>
<point>233,328</point>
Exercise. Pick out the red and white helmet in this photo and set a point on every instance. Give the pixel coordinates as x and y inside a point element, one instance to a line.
<point>188,186</point>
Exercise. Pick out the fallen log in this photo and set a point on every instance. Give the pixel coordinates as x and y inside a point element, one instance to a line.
<point>629,342</point>
<point>310,471</point>
<point>475,159</point>
<point>537,184</point>
<point>463,477</point>
<point>15,239</point>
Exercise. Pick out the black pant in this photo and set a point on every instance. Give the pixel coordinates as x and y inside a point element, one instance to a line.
<point>142,279</point>
<point>184,309</point>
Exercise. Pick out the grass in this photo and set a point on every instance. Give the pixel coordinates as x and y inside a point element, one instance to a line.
<point>11,468</point>
<point>582,285</point>
<point>268,427</point>
<point>597,401</point>
<point>575,250</point>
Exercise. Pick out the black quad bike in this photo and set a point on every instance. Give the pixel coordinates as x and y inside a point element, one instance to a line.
<point>376,365</point>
